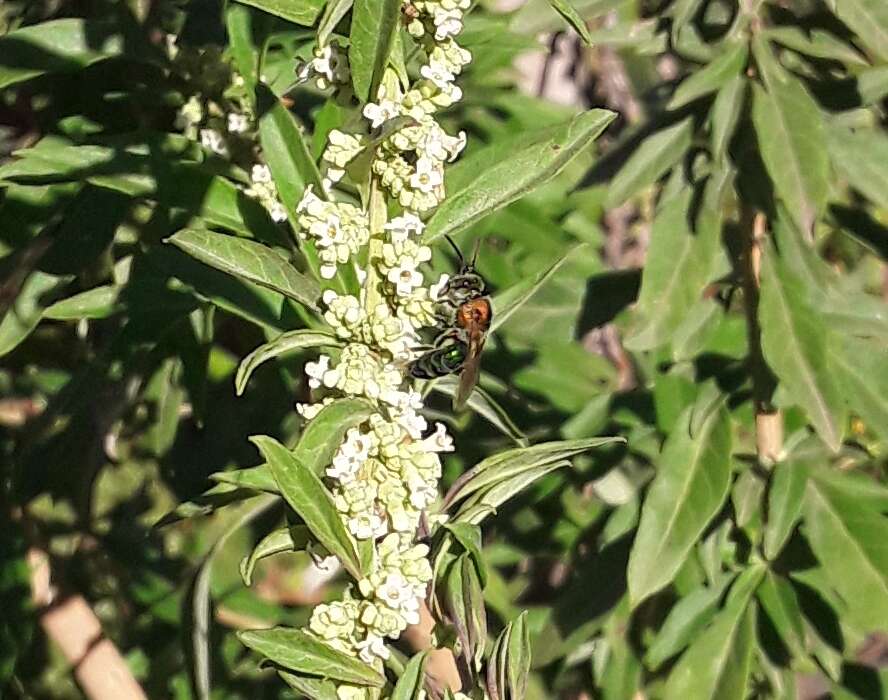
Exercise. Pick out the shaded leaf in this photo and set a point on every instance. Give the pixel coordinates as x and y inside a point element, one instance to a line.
<point>304,492</point>
<point>656,155</point>
<point>298,651</point>
<point>98,302</point>
<point>283,344</point>
<point>780,603</point>
<point>572,17</point>
<point>690,487</point>
<point>862,159</point>
<point>303,12</point>
<point>372,32</point>
<point>785,498</point>
<point>497,175</point>
<point>869,20</point>
<point>25,312</point>
<point>285,539</point>
<point>794,342</point>
<point>791,136</point>
<point>248,260</point>
<point>713,76</point>
<point>850,542</point>
<point>718,663</point>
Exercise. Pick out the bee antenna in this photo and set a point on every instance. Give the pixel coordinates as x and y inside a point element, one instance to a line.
<point>462,261</point>
<point>475,251</point>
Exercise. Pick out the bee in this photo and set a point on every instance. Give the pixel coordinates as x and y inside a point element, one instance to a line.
<point>466,313</point>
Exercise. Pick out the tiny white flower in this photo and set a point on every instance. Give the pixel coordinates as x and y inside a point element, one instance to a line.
<point>427,176</point>
<point>405,226</point>
<point>372,648</point>
<point>277,212</point>
<point>260,173</point>
<point>212,140</point>
<point>238,123</point>
<point>438,74</point>
<point>447,23</point>
<point>405,278</point>
<point>317,370</point>
<point>414,423</point>
<point>379,114</point>
<point>439,441</point>
<point>328,272</point>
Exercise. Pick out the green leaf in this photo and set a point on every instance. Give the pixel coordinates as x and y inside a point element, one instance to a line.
<point>785,497</point>
<point>780,603</point>
<point>656,156</point>
<point>815,42</point>
<point>57,46</point>
<point>485,406</point>
<point>862,159</point>
<point>26,310</point>
<point>305,493</point>
<point>372,32</point>
<point>726,112</point>
<point>850,542</point>
<point>485,502</point>
<point>283,344</point>
<point>869,20</point>
<point>99,302</point>
<point>509,664</point>
<point>314,688</point>
<point>679,265</point>
<point>286,152</point>
<point>572,17</point>
<point>715,75</point>
<point>794,342</point>
<point>303,12</point>
<point>248,260</point>
<point>462,598</point>
<point>685,620</point>
<point>239,23</point>
<point>410,685</point>
<point>693,476</point>
<point>508,301</point>
<point>791,138</point>
<point>469,538</point>
<point>333,14</point>
<point>298,651</point>
<point>718,663</point>
<point>499,174</point>
<point>254,478</point>
<point>509,463</point>
<point>286,539</point>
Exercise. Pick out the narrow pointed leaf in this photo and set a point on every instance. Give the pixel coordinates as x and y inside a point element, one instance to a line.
<point>285,539</point>
<point>794,341</point>
<point>711,77</point>
<point>850,542</point>
<point>485,406</point>
<point>372,32</point>
<point>869,20</point>
<point>250,261</point>
<point>508,301</point>
<point>677,270</point>
<point>298,651</point>
<point>785,498</point>
<point>506,464</point>
<point>656,156</point>
<point>718,663</point>
<point>791,138</point>
<point>410,685</point>
<point>292,166</point>
<point>495,176</point>
<point>691,485</point>
<point>305,493</point>
<point>303,12</point>
<point>726,112</point>
<point>781,604</point>
<point>283,344</point>
<point>572,17</point>
<point>862,159</point>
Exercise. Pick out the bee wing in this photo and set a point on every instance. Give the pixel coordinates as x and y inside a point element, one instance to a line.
<point>468,378</point>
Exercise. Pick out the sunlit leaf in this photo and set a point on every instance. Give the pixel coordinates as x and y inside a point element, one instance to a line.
<point>283,344</point>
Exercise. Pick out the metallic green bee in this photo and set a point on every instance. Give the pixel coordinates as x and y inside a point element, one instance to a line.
<point>448,359</point>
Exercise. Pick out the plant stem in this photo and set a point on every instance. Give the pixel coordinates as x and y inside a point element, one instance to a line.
<point>768,420</point>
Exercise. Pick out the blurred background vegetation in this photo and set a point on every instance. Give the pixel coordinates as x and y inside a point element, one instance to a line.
<point>117,397</point>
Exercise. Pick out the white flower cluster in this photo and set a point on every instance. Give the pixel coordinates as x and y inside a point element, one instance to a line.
<point>328,67</point>
<point>262,187</point>
<point>385,473</point>
<point>338,229</point>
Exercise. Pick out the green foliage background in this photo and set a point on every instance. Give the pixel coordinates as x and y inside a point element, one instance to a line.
<point>721,258</point>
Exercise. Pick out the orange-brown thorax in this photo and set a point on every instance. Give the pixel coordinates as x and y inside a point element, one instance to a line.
<point>474,315</point>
